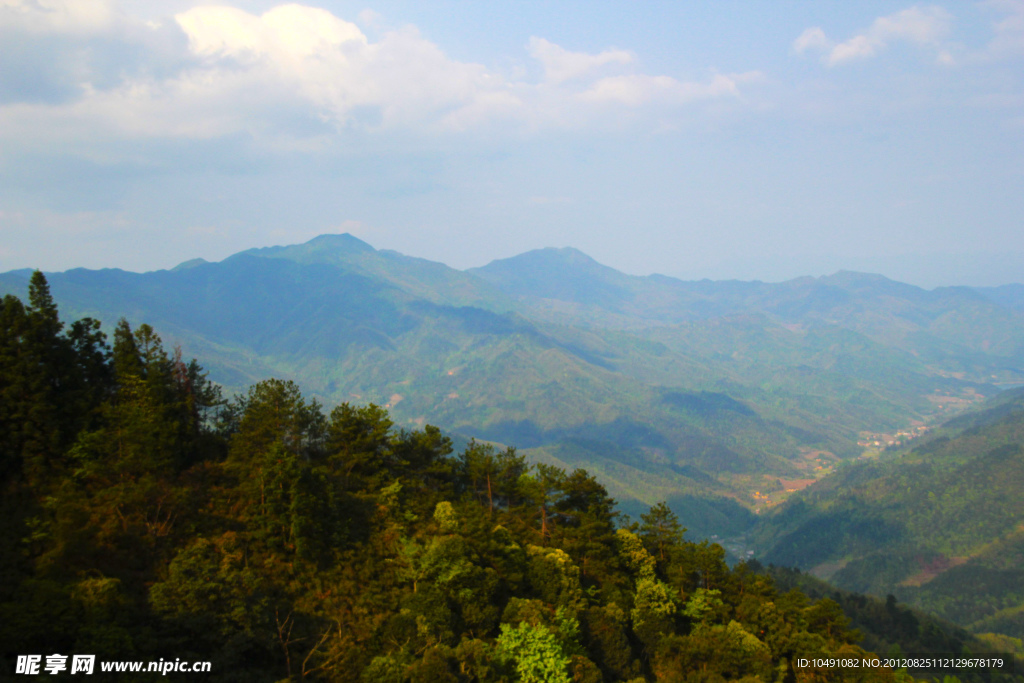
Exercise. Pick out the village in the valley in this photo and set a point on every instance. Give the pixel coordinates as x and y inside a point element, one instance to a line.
<point>877,441</point>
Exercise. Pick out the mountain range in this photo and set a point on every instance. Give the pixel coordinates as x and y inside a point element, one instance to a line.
<point>719,397</point>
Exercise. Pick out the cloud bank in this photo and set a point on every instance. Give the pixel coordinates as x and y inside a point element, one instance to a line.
<point>295,74</point>
<point>920,26</point>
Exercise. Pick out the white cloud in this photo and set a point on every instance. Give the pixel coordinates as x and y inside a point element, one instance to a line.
<point>288,34</point>
<point>57,16</point>
<point>297,73</point>
<point>561,65</point>
<point>855,48</point>
<point>369,18</point>
<point>638,90</point>
<point>811,39</point>
<point>921,26</point>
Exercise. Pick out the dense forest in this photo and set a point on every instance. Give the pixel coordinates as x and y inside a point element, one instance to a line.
<point>143,516</point>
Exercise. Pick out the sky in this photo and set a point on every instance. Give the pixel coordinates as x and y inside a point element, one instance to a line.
<point>714,139</point>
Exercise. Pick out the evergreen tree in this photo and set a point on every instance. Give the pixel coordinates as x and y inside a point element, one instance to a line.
<point>141,515</point>
<point>660,529</point>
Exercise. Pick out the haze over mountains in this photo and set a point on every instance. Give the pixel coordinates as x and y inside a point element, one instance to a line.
<point>715,396</point>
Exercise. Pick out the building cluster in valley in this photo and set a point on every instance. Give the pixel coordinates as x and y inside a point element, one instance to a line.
<point>878,440</point>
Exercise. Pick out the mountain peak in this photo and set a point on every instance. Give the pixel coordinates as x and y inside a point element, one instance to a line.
<point>548,259</point>
<point>854,276</point>
<point>873,284</point>
<point>344,240</point>
<point>563,274</point>
<point>330,248</point>
<point>191,263</point>
<point>570,254</point>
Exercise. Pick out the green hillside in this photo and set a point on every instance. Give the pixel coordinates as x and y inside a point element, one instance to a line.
<point>262,539</point>
<point>709,395</point>
<point>940,526</point>
<point>890,627</point>
<point>976,334</point>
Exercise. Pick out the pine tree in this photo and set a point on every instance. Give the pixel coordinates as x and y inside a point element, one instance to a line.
<point>660,529</point>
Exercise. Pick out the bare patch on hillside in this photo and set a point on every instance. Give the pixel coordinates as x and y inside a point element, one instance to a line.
<point>826,570</point>
<point>931,569</point>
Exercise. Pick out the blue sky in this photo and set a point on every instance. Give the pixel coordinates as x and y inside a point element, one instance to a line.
<point>749,140</point>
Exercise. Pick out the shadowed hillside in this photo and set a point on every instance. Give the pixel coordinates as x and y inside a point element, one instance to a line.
<point>940,526</point>
<point>142,514</point>
<point>702,392</point>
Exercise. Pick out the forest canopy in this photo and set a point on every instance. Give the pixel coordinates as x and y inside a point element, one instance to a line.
<point>145,516</point>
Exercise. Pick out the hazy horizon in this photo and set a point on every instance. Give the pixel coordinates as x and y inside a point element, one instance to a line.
<point>736,140</point>
<point>767,280</point>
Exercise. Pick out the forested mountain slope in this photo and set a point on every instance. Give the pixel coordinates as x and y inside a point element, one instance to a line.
<point>698,393</point>
<point>956,328</point>
<point>940,526</point>
<point>142,517</point>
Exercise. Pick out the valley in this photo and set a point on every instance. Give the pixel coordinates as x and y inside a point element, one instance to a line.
<point>840,425</point>
<point>722,398</point>
<point>937,523</point>
<point>142,512</point>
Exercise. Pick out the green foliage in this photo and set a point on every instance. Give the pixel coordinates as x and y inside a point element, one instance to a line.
<point>283,544</point>
<point>446,518</point>
<point>554,576</point>
<point>725,650</point>
<point>654,607</point>
<point>883,626</point>
<point>660,529</point>
<point>938,526</point>
<point>634,555</point>
<point>536,653</point>
<point>665,390</point>
<point>702,603</point>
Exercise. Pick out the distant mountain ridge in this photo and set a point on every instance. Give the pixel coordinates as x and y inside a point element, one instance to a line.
<point>855,300</point>
<point>1010,296</point>
<point>700,393</point>
<point>430,280</point>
